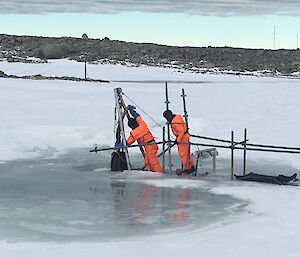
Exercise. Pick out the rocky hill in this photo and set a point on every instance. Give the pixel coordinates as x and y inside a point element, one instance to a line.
<point>23,48</point>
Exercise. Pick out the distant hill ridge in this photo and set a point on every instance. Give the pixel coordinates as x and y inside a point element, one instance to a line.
<point>19,48</point>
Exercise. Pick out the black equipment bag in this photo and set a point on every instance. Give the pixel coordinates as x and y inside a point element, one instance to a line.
<point>118,161</point>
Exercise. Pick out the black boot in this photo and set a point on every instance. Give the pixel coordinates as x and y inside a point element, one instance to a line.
<point>190,171</point>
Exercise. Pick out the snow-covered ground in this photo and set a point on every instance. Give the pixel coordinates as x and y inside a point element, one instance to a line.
<point>45,119</point>
<point>50,116</point>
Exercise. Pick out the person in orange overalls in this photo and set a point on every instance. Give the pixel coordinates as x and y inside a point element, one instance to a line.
<point>179,130</point>
<point>141,133</point>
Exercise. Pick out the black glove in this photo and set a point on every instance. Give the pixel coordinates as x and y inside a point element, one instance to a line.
<point>119,145</point>
<point>130,107</point>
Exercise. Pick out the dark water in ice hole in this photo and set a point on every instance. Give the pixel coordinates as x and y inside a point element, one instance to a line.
<point>74,198</point>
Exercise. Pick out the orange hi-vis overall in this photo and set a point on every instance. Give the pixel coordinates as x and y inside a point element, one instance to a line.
<point>178,127</point>
<point>143,135</point>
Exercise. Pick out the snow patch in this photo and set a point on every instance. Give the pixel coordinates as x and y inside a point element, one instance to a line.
<point>177,183</point>
<point>137,174</point>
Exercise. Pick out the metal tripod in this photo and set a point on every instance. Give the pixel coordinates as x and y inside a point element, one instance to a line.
<point>120,113</point>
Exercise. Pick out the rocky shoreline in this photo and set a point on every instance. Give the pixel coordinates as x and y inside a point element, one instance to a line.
<point>197,59</point>
<point>42,77</point>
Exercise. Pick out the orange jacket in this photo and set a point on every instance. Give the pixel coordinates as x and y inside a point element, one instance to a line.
<point>178,127</point>
<point>141,134</point>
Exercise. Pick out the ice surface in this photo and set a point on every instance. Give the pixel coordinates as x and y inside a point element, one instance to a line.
<point>48,117</point>
<point>68,199</point>
<point>71,206</point>
<point>58,201</point>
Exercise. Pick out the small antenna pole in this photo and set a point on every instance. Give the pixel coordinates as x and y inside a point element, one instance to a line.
<point>232,152</point>
<point>245,151</point>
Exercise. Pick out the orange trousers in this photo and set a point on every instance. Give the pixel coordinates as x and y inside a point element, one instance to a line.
<point>184,152</point>
<point>151,160</point>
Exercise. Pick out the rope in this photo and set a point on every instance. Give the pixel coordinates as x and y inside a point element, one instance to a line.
<point>143,110</point>
<point>145,113</point>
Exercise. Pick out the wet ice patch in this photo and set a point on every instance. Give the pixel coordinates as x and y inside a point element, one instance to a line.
<point>75,203</point>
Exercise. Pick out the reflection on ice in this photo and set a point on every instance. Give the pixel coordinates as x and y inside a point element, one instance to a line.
<point>73,198</point>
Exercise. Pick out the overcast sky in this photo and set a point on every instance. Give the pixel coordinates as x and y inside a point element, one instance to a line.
<point>239,23</point>
<point>200,7</point>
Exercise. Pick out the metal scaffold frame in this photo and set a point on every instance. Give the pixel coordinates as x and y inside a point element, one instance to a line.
<point>119,136</point>
<point>168,131</point>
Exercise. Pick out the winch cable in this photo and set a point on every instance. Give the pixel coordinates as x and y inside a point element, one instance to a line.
<point>129,99</point>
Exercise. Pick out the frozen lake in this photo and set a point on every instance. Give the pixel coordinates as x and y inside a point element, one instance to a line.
<point>74,198</point>
<point>57,202</point>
